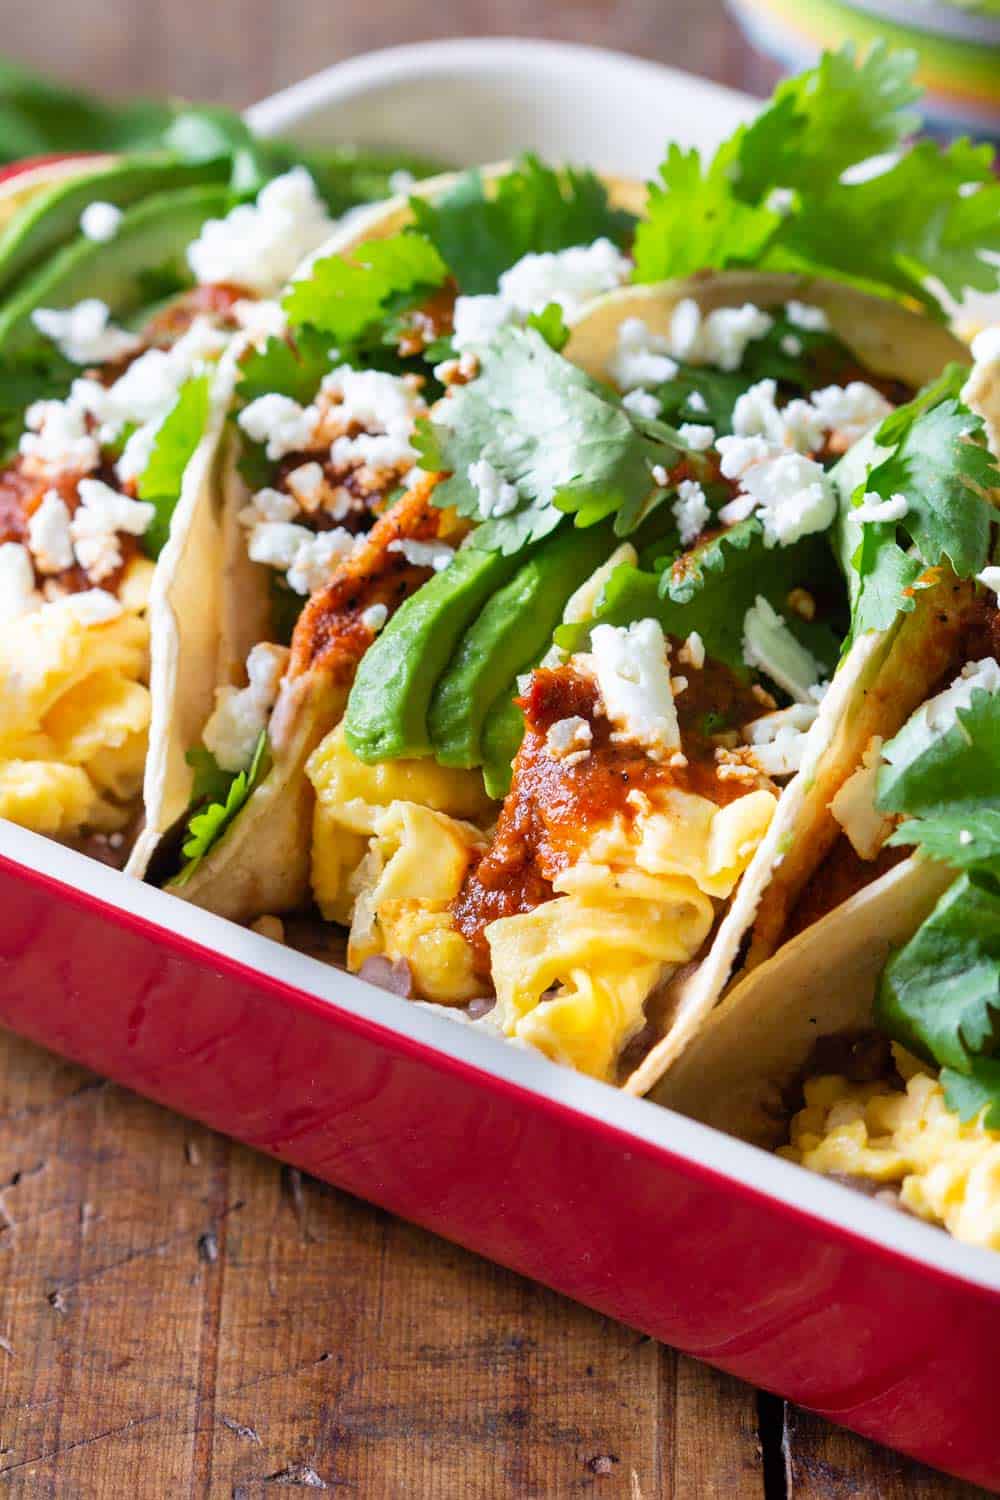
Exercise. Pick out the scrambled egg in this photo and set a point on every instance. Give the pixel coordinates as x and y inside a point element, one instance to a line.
<point>573,976</point>
<point>74,715</point>
<point>391,845</point>
<point>948,1172</point>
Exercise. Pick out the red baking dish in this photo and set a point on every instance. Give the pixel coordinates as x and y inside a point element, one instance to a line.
<point>783,1278</point>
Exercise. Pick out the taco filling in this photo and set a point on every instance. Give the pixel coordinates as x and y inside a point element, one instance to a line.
<point>86,508</point>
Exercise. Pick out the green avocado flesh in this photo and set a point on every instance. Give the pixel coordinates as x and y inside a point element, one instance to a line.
<point>52,218</point>
<point>503,732</point>
<point>386,715</point>
<point>152,234</point>
<point>513,630</point>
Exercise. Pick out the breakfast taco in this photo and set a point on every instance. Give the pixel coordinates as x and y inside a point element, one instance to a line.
<point>327,515</point>
<point>580,741</point>
<point>115,351</point>
<point>868,1043</point>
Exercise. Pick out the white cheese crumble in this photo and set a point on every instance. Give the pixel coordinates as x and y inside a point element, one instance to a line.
<point>569,740</point>
<point>496,495</point>
<point>643,404</point>
<point>641,357</point>
<point>259,245</point>
<point>633,677</point>
<point>100,221</point>
<point>57,435</point>
<point>49,536</point>
<point>269,505</point>
<point>778,739</point>
<point>850,410</point>
<point>796,425</point>
<point>436,555</point>
<point>316,559</point>
<point>854,808</point>
<point>737,510</point>
<point>570,277</point>
<point>874,508</point>
<point>690,510</point>
<point>697,402</point>
<point>84,334</point>
<point>306,484</point>
<point>940,713</point>
<point>374,617</point>
<point>261,318</point>
<point>280,422</point>
<point>477,319</point>
<point>805,315</point>
<point>794,497</point>
<point>721,338</point>
<point>384,406</point>
<point>99,518</point>
<point>770,647</point>
<point>696,436</point>
<point>791,346</point>
<point>18,595</point>
<point>990,579</point>
<point>692,652</point>
<point>241,714</point>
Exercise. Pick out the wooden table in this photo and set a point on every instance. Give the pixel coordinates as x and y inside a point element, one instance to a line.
<point>182,1317</point>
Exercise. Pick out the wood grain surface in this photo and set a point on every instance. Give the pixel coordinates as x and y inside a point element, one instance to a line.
<point>182,1317</point>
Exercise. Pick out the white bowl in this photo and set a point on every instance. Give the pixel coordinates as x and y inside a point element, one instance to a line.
<point>479,100</point>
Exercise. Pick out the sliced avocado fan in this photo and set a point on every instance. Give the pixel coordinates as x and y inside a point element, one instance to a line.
<point>51,219</point>
<point>153,233</point>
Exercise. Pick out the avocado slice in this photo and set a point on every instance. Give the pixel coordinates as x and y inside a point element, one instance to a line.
<point>514,628</point>
<point>152,233</point>
<point>386,715</point>
<point>52,218</point>
<point>503,731</point>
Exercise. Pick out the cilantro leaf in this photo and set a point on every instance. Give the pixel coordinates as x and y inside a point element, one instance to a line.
<point>565,442</point>
<point>208,826</point>
<point>890,233</point>
<point>941,474</point>
<point>933,452</point>
<point>345,298</point>
<point>211,782</point>
<point>551,325</point>
<point>39,374</point>
<point>823,121</point>
<point>940,994</point>
<point>286,367</point>
<point>978,1089</point>
<point>926,770</point>
<point>694,219</point>
<point>481,233</point>
<point>966,837</point>
<point>708,590</point>
<point>178,436</point>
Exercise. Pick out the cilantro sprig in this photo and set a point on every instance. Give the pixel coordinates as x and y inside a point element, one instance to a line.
<point>710,591</point>
<point>933,452</point>
<point>940,994</point>
<point>179,435</point>
<point>775,196</point>
<point>226,796</point>
<point>481,232</point>
<point>565,442</point>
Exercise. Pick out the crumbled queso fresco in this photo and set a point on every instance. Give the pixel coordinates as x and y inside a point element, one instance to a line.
<point>358,428</point>
<point>770,448</point>
<point>260,245</point>
<point>569,278</point>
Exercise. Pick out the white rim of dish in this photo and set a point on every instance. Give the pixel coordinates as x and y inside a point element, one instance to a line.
<point>356,76</point>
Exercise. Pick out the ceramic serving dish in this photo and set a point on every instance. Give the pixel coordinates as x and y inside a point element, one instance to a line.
<point>780,1277</point>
